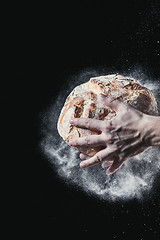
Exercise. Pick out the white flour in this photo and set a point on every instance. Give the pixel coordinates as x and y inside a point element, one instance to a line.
<point>134,179</point>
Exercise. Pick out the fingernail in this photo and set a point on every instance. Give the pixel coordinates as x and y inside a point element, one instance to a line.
<point>71,142</point>
<point>102,166</point>
<point>71,121</point>
<point>108,172</point>
<point>82,164</point>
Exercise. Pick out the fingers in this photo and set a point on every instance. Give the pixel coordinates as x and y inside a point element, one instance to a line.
<point>115,104</point>
<point>99,157</point>
<point>90,140</point>
<point>88,123</point>
<point>115,166</point>
<point>83,156</point>
<point>106,164</point>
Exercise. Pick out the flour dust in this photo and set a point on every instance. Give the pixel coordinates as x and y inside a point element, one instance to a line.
<point>134,179</point>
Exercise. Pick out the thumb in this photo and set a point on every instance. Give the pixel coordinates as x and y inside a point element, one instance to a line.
<point>113,103</point>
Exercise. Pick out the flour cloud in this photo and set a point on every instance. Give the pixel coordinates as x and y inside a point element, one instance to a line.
<point>133,180</point>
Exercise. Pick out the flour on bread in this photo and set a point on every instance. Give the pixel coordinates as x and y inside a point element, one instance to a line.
<point>84,102</point>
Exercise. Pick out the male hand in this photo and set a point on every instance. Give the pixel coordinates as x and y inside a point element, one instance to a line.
<point>124,136</point>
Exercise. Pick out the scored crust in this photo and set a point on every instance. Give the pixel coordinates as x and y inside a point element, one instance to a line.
<point>84,102</point>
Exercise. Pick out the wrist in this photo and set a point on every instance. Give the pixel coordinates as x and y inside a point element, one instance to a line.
<point>152,130</point>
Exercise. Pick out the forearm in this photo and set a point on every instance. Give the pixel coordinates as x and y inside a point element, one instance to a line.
<point>154,130</point>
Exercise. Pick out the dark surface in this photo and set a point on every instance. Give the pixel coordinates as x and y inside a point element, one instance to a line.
<point>44,45</point>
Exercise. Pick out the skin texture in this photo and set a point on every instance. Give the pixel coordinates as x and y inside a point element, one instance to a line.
<point>129,133</point>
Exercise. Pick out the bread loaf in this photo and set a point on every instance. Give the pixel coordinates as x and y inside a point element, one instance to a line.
<point>84,102</point>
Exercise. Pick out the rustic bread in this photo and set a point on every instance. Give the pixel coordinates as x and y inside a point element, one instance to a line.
<point>84,102</point>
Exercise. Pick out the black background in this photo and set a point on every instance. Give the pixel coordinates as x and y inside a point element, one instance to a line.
<point>42,45</point>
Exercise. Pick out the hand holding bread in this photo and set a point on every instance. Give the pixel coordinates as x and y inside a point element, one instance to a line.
<point>107,119</point>
<point>125,136</point>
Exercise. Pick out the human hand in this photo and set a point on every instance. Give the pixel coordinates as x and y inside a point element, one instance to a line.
<point>125,136</point>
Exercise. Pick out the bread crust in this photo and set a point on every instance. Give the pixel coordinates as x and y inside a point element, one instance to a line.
<point>84,102</point>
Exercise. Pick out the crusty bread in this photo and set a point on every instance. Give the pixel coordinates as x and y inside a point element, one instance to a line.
<point>84,102</point>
